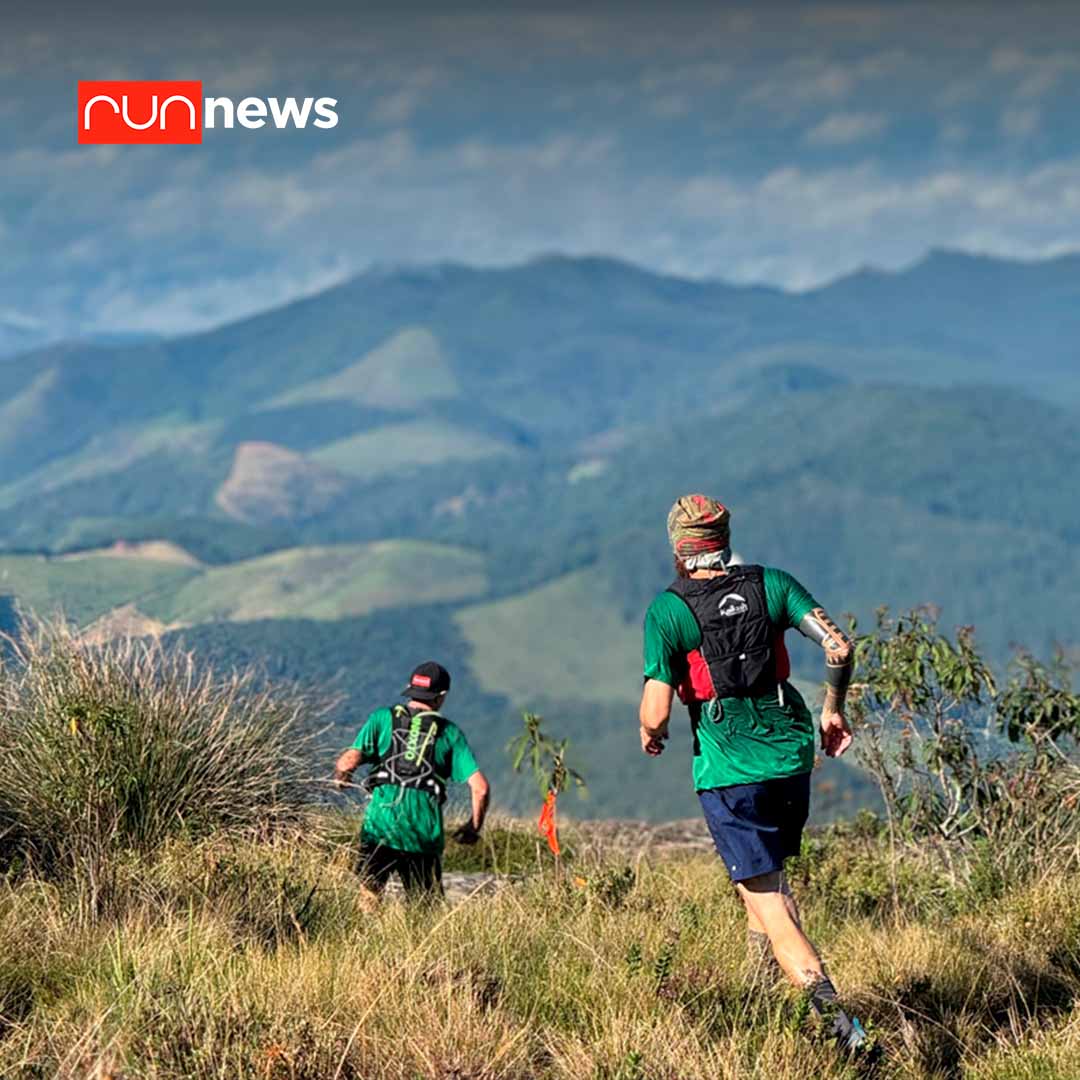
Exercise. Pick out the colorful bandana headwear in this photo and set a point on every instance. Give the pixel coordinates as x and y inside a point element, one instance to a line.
<point>698,525</point>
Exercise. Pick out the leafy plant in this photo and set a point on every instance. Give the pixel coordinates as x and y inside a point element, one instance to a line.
<point>931,717</point>
<point>632,1067</point>
<point>613,885</point>
<point>921,693</point>
<point>546,757</point>
<point>664,964</point>
<point>1039,703</point>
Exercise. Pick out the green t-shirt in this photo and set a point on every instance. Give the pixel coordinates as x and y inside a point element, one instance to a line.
<point>403,818</point>
<point>736,740</point>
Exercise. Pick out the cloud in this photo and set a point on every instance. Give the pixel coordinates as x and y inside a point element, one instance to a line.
<point>691,141</point>
<point>1035,74</point>
<point>206,303</point>
<point>953,133</point>
<point>18,320</point>
<point>398,106</point>
<point>1020,122</point>
<point>669,106</point>
<point>840,129</point>
<point>799,212</point>
<point>802,84</point>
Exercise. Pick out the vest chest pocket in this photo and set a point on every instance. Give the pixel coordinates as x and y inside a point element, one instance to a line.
<point>751,669</point>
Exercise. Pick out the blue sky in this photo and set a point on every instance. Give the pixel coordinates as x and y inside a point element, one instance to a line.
<point>756,143</point>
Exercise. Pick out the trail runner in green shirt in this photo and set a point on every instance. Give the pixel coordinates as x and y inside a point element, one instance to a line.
<point>414,752</point>
<point>716,638</point>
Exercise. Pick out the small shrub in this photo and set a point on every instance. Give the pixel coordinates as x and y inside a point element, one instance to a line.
<point>933,723</point>
<point>612,885</point>
<point>851,872</point>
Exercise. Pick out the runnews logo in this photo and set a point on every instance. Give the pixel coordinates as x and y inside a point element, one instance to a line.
<point>115,112</point>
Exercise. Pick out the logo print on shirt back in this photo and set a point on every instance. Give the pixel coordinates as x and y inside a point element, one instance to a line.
<point>733,604</point>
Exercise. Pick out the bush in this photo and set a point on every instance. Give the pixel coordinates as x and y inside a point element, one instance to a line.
<point>116,747</point>
<point>932,731</point>
<point>850,870</point>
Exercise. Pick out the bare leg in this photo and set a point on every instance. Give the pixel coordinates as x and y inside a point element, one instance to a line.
<point>761,965</point>
<point>771,909</point>
<point>769,904</point>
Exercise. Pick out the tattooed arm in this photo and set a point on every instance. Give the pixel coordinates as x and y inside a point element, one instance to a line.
<point>839,659</point>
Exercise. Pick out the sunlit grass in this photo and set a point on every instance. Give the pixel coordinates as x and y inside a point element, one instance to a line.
<point>254,958</point>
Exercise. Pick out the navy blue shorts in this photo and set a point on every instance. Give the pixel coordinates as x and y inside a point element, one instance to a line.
<point>757,826</point>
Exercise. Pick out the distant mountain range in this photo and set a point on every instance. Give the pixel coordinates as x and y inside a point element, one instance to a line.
<point>477,463</point>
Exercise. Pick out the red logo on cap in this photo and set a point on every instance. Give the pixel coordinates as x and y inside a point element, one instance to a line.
<point>421,680</point>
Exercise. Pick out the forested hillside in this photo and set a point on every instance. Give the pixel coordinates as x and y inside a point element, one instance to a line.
<point>476,465</point>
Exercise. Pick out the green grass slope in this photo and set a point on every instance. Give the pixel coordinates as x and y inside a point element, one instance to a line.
<point>562,640</point>
<point>329,582</point>
<point>405,371</point>
<point>399,447</point>
<point>86,588</point>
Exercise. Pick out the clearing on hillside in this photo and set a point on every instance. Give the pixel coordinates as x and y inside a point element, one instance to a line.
<point>152,550</point>
<point>269,483</point>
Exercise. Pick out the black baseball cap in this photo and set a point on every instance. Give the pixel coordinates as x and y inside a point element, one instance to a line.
<point>429,682</point>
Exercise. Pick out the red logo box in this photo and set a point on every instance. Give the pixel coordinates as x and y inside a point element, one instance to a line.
<point>113,112</point>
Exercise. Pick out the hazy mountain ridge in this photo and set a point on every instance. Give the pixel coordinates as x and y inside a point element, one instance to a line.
<point>882,438</point>
<point>565,346</point>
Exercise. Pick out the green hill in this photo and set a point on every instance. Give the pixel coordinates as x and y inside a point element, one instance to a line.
<point>405,372</point>
<point>86,588</point>
<point>326,583</point>
<point>402,447</point>
<point>567,348</point>
<point>562,640</point>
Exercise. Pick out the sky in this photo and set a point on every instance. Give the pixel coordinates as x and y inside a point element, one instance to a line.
<point>763,143</point>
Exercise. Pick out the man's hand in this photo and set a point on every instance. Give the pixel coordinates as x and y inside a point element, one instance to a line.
<point>652,741</point>
<point>467,834</point>
<point>835,733</point>
<point>656,698</point>
<point>348,761</point>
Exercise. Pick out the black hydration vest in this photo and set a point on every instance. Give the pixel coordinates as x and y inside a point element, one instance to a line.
<point>737,635</point>
<point>411,760</point>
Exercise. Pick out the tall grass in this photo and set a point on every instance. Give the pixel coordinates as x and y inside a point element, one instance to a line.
<point>113,748</point>
<point>229,957</point>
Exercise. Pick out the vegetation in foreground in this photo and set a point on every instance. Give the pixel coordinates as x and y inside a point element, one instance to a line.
<point>193,916</point>
<point>237,958</point>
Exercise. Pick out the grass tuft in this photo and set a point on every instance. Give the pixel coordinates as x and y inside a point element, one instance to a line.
<point>107,750</point>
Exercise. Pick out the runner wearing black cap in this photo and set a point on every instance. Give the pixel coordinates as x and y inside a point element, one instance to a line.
<point>414,752</point>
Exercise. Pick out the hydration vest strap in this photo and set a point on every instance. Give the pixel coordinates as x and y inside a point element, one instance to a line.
<point>408,766</point>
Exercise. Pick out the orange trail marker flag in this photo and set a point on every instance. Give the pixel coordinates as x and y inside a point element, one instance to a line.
<point>547,824</point>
